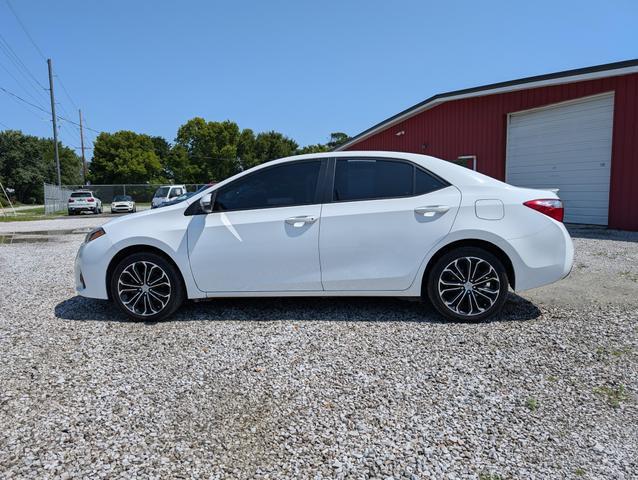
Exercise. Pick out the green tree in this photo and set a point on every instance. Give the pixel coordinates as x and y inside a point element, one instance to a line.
<point>26,162</point>
<point>272,145</point>
<point>125,157</point>
<point>337,139</point>
<point>211,147</point>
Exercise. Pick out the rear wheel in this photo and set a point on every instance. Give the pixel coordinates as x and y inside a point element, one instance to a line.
<point>145,286</point>
<point>468,284</point>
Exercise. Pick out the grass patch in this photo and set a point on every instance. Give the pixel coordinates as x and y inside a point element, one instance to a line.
<point>630,276</point>
<point>30,215</point>
<point>580,472</point>
<point>489,476</point>
<point>613,395</point>
<point>531,404</point>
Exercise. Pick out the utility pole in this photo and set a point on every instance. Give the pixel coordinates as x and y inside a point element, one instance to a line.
<point>55,124</point>
<point>82,146</point>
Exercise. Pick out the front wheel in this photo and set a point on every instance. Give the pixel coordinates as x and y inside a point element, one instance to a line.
<point>468,284</point>
<point>145,286</point>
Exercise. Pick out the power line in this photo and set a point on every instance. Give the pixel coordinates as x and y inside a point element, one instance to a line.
<point>24,28</point>
<point>5,125</point>
<point>66,92</point>
<point>39,50</point>
<point>17,98</point>
<point>19,84</point>
<point>18,61</point>
<point>44,110</point>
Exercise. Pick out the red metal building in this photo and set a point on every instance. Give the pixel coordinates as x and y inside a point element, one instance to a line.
<point>575,130</point>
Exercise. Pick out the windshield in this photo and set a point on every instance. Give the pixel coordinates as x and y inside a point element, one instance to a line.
<point>122,198</point>
<point>161,192</point>
<point>81,194</point>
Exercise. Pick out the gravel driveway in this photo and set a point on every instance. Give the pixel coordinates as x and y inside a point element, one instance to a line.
<point>322,388</point>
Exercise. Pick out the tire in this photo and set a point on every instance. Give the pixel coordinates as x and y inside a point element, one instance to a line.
<point>71,213</point>
<point>457,299</point>
<point>157,303</point>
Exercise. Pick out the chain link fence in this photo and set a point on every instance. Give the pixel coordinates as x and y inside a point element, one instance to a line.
<point>56,198</point>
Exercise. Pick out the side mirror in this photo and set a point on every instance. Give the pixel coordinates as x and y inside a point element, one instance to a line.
<point>206,203</point>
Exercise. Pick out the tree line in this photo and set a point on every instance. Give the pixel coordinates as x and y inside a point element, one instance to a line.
<point>203,151</point>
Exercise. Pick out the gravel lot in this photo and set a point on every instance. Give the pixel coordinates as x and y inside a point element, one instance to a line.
<point>323,388</point>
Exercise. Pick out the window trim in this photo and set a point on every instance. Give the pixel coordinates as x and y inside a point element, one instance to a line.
<point>317,195</point>
<point>329,191</point>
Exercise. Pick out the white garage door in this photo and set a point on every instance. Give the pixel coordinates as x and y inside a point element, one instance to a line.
<point>565,146</point>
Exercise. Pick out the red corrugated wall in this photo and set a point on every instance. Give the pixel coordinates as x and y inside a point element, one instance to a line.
<point>477,126</point>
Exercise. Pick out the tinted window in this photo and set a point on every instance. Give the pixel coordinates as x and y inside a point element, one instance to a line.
<point>281,186</point>
<point>426,183</point>
<point>366,179</point>
<point>122,198</point>
<point>161,192</point>
<point>80,194</point>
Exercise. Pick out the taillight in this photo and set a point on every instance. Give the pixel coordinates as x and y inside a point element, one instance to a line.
<point>71,200</point>
<point>90,199</point>
<point>552,207</point>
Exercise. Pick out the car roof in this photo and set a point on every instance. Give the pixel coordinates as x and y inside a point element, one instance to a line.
<point>453,173</point>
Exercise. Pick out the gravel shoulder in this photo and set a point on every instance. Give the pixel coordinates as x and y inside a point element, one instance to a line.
<point>322,388</point>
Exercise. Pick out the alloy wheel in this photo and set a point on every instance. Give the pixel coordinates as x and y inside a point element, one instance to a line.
<point>144,288</point>
<point>469,286</point>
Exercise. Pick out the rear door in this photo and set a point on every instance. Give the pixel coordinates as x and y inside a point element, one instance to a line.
<point>263,235</point>
<point>382,218</point>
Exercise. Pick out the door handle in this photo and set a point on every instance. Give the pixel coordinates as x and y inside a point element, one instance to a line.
<point>431,210</point>
<point>301,221</point>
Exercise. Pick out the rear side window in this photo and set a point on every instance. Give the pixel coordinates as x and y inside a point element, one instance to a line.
<point>426,183</point>
<point>280,186</point>
<point>366,179</point>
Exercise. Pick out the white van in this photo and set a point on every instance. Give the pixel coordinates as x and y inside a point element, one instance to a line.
<point>166,193</point>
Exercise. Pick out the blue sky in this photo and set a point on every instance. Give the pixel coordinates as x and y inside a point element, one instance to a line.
<point>304,68</point>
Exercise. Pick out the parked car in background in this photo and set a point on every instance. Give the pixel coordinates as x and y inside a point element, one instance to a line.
<point>83,201</point>
<point>166,193</point>
<point>335,224</point>
<point>179,199</point>
<point>123,204</point>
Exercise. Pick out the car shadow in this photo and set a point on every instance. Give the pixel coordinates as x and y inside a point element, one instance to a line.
<point>345,309</point>
<point>596,232</point>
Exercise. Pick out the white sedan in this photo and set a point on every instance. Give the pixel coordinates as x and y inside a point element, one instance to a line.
<point>334,224</point>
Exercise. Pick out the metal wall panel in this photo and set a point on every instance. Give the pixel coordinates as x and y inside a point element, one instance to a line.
<point>478,126</point>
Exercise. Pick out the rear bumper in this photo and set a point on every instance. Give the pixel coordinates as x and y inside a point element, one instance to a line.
<point>83,208</point>
<point>542,258</point>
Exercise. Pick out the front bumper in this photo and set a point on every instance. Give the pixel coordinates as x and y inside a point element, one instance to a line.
<point>122,208</point>
<point>91,263</point>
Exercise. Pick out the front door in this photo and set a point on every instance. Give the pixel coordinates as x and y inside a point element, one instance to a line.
<point>263,234</point>
<point>385,215</point>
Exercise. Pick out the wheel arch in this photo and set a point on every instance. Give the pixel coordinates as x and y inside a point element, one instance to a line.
<point>470,242</point>
<point>139,248</point>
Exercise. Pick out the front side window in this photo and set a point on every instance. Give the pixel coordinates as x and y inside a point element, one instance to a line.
<point>367,179</point>
<point>161,192</point>
<point>279,186</point>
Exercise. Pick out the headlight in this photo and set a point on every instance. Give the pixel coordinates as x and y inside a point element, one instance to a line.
<point>97,233</point>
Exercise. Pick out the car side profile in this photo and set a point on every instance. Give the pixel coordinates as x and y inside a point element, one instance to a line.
<point>83,201</point>
<point>334,224</point>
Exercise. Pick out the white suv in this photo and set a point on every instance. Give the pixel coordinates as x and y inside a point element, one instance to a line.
<point>166,193</point>
<point>84,201</point>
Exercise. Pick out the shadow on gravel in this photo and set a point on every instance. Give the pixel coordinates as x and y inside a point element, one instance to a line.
<point>349,309</point>
<point>601,233</point>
